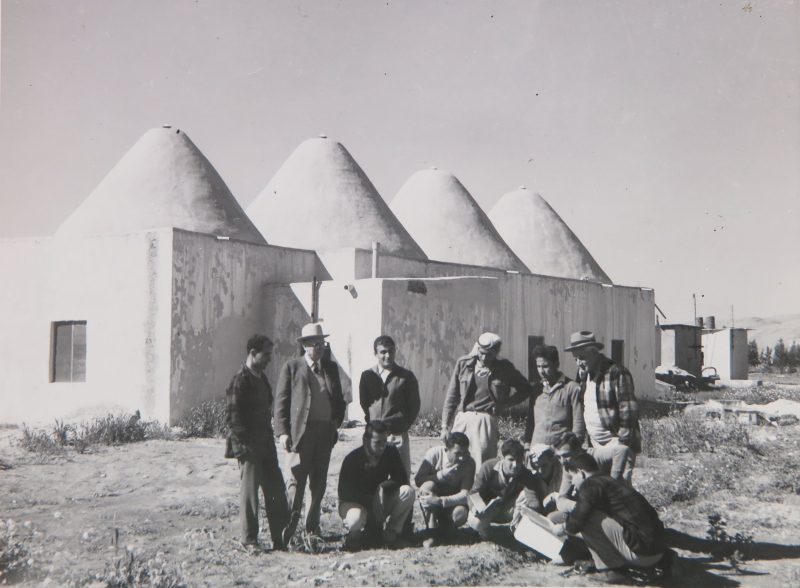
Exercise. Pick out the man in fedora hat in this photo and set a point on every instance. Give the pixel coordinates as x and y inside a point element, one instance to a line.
<point>479,388</point>
<point>309,408</point>
<point>610,409</point>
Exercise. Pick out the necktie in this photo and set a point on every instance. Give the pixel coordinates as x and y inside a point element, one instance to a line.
<point>315,369</point>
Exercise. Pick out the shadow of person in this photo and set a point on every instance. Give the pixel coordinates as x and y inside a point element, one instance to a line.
<point>755,550</point>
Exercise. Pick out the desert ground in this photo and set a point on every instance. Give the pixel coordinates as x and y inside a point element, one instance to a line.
<point>165,513</point>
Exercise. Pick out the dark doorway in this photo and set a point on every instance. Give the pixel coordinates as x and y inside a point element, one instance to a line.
<point>618,351</point>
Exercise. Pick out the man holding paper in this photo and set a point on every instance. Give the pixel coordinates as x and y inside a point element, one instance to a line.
<point>502,487</point>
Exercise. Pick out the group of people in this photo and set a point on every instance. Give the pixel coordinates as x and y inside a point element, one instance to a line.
<point>573,465</point>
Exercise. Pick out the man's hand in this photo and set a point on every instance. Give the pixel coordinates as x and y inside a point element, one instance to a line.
<point>429,499</point>
<point>286,442</point>
<point>445,433</point>
<point>448,471</point>
<point>378,505</point>
<point>549,499</point>
<point>560,530</point>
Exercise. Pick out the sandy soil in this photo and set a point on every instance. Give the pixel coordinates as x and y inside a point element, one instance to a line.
<point>174,504</point>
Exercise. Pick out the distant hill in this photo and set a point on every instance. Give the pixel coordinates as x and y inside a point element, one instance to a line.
<point>767,331</point>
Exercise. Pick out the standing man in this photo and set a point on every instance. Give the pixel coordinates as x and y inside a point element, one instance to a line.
<point>309,408</point>
<point>558,407</point>
<point>620,527</point>
<point>373,486</point>
<point>610,409</point>
<point>390,393</point>
<point>444,479</point>
<point>251,441</point>
<point>479,388</point>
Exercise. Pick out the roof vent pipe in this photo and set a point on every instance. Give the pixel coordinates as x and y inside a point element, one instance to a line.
<point>710,322</point>
<point>698,322</point>
<point>375,248</point>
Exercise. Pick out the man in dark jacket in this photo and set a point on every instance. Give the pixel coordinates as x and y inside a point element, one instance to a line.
<point>619,526</point>
<point>502,486</point>
<point>252,442</point>
<point>374,486</point>
<point>479,388</point>
<point>390,393</point>
<point>309,409</point>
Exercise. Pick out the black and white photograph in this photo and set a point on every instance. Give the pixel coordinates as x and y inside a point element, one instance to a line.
<point>399,293</point>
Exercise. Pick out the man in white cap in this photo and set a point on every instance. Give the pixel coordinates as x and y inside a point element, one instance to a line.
<point>610,409</point>
<point>309,408</point>
<point>481,386</point>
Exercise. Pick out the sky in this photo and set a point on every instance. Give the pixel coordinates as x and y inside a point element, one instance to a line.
<point>665,134</point>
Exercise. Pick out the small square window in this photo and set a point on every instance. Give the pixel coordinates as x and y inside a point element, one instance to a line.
<point>68,352</point>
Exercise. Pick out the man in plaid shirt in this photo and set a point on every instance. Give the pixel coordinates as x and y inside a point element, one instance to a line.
<point>610,409</point>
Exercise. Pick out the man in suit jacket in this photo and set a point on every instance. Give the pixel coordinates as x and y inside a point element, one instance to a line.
<point>309,408</point>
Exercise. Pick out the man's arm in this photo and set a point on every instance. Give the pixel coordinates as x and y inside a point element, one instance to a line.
<point>530,421</point>
<point>425,473</point>
<point>235,416</point>
<point>578,424</point>
<point>451,399</point>
<point>412,399</point>
<point>467,482</point>
<point>351,487</point>
<point>586,503</point>
<point>363,392</point>
<point>622,384</point>
<point>338,405</point>
<point>283,402</point>
<point>522,387</point>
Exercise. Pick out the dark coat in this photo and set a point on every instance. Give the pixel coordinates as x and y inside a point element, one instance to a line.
<point>292,397</point>
<point>395,402</point>
<point>249,416</point>
<point>504,376</point>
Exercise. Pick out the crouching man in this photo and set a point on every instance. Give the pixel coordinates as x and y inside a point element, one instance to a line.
<point>374,486</point>
<point>502,486</point>
<point>444,480</point>
<point>619,526</point>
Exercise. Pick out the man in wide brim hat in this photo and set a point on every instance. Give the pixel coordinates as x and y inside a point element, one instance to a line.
<point>610,408</point>
<point>583,339</point>
<point>309,409</point>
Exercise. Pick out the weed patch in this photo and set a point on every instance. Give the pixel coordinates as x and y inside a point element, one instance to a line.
<point>671,436</point>
<point>206,420</point>
<point>15,562</point>
<point>427,425</point>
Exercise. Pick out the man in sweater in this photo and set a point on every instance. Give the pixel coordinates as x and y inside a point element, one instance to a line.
<point>390,393</point>
<point>502,486</point>
<point>373,486</point>
<point>619,526</point>
<point>444,479</point>
<point>309,408</point>
<point>252,442</point>
<point>558,404</point>
<point>479,388</point>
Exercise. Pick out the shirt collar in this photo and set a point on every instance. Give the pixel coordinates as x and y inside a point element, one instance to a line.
<point>310,362</point>
<point>383,372</point>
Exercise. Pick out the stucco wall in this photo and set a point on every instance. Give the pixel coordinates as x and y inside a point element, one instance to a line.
<point>726,350</point>
<point>223,292</point>
<point>681,346</point>
<point>121,286</point>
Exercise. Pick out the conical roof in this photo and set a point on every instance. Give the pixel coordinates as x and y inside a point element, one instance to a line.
<point>321,199</point>
<point>543,241</point>
<point>446,221</point>
<point>163,181</point>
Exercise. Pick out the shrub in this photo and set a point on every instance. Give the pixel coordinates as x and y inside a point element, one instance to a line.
<point>206,420</point>
<point>511,426</point>
<point>15,564</point>
<point>41,443</point>
<point>129,572</point>
<point>670,436</point>
<point>427,425</point>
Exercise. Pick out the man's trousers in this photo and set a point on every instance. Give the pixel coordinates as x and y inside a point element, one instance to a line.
<point>310,462</point>
<point>262,473</point>
<point>483,433</point>
<point>397,509</point>
<point>604,538</point>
